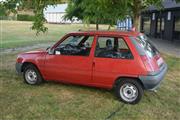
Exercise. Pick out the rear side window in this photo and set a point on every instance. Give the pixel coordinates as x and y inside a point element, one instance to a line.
<point>102,41</point>
<point>112,47</point>
<point>122,44</point>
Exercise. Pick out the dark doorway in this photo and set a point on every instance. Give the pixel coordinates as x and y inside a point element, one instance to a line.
<point>160,26</point>
<point>176,32</point>
<point>146,25</point>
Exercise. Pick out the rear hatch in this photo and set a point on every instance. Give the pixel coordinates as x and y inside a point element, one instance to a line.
<point>149,54</point>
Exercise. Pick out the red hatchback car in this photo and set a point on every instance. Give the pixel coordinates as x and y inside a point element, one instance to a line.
<point>125,61</point>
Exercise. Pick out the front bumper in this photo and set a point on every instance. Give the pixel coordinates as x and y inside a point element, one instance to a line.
<point>18,67</point>
<point>152,82</point>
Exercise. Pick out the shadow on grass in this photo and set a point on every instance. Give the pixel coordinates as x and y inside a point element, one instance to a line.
<point>76,87</point>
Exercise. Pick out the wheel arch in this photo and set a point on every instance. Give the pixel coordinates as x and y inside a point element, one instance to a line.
<point>121,78</point>
<point>30,63</point>
<point>25,64</point>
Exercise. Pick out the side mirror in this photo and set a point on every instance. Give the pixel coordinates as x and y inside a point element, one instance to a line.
<point>50,51</point>
<point>47,48</point>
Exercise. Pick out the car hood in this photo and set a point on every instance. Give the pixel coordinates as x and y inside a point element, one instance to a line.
<point>35,52</point>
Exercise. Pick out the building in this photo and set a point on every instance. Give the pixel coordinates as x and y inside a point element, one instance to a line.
<point>163,23</point>
<point>55,14</point>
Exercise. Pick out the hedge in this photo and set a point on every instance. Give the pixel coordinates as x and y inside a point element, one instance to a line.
<point>25,17</point>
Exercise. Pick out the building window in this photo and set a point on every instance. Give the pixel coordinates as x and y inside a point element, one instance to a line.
<point>176,33</point>
<point>177,24</point>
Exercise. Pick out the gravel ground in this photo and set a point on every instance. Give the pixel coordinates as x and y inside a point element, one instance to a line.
<point>167,47</point>
<point>36,46</point>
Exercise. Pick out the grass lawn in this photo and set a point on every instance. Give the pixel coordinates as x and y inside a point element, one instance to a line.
<point>53,100</point>
<point>19,34</point>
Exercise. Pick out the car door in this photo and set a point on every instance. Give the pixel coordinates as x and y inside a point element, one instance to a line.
<point>112,59</point>
<point>69,63</point>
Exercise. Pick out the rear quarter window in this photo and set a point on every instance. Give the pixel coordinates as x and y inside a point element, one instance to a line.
<point>144,45</point>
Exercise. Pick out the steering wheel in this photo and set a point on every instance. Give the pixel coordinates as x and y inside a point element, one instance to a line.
<point>69,47</point>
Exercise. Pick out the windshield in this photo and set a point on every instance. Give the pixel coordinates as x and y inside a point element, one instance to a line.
<point>147,45</point>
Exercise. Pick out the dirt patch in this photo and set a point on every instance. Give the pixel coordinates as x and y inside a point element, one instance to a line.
<point>36,46</point>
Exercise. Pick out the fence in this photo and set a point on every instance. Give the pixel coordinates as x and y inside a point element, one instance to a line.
<point>124,24</point>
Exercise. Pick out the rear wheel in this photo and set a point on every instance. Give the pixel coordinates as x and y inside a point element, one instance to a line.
<point>129,91</point>
<point>31,75</point>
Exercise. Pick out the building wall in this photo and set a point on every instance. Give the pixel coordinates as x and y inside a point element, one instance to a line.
<point>56,18</point>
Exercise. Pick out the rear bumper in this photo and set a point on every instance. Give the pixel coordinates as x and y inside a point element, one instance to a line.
<point>18,67</point>
<point>152,82</point>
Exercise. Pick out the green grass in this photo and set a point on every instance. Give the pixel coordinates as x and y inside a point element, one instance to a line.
<point>53,100</point>
<point>19,34</point>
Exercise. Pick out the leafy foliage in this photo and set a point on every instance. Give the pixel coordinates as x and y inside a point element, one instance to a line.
<point>2,10</point>
<point>98,11</point>
<point>36,5</point>
<point>39,6</point>
<point>8,6</point>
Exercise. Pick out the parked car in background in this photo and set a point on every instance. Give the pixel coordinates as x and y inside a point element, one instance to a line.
<point>125,61</point>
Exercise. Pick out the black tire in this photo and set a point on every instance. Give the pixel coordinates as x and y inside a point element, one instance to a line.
<point>131,86</point>
<point>36,72</point>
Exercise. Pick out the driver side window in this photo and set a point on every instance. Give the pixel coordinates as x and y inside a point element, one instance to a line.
<point>77,45</point>
<point>74,40</point>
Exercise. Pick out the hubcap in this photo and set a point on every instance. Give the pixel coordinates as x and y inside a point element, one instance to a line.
<point>31,76</point>
<point>128,92</point>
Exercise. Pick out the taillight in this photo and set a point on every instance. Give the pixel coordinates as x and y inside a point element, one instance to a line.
<point>159,60</point>
<point>157,57</point>
<point>147,63</point>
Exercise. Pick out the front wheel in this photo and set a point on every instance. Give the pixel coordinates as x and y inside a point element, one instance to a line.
<point>31,75</point>
<point>129,91</point>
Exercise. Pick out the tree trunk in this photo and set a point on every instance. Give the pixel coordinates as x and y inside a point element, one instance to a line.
<point>136,14</point>
<point>109,27</point>
<point>136,21</point>
<point>97,26</point>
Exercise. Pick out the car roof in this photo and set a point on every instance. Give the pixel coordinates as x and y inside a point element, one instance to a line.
<point>105,32</point>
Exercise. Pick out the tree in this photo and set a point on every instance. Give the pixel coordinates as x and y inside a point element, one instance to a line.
<point>98,11</point>
<point>86,10</point>
<point>7,7</point>
<point>37,6</point>
<point>136,6</point>
<point>115,10</point>
<point>110,10</point>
